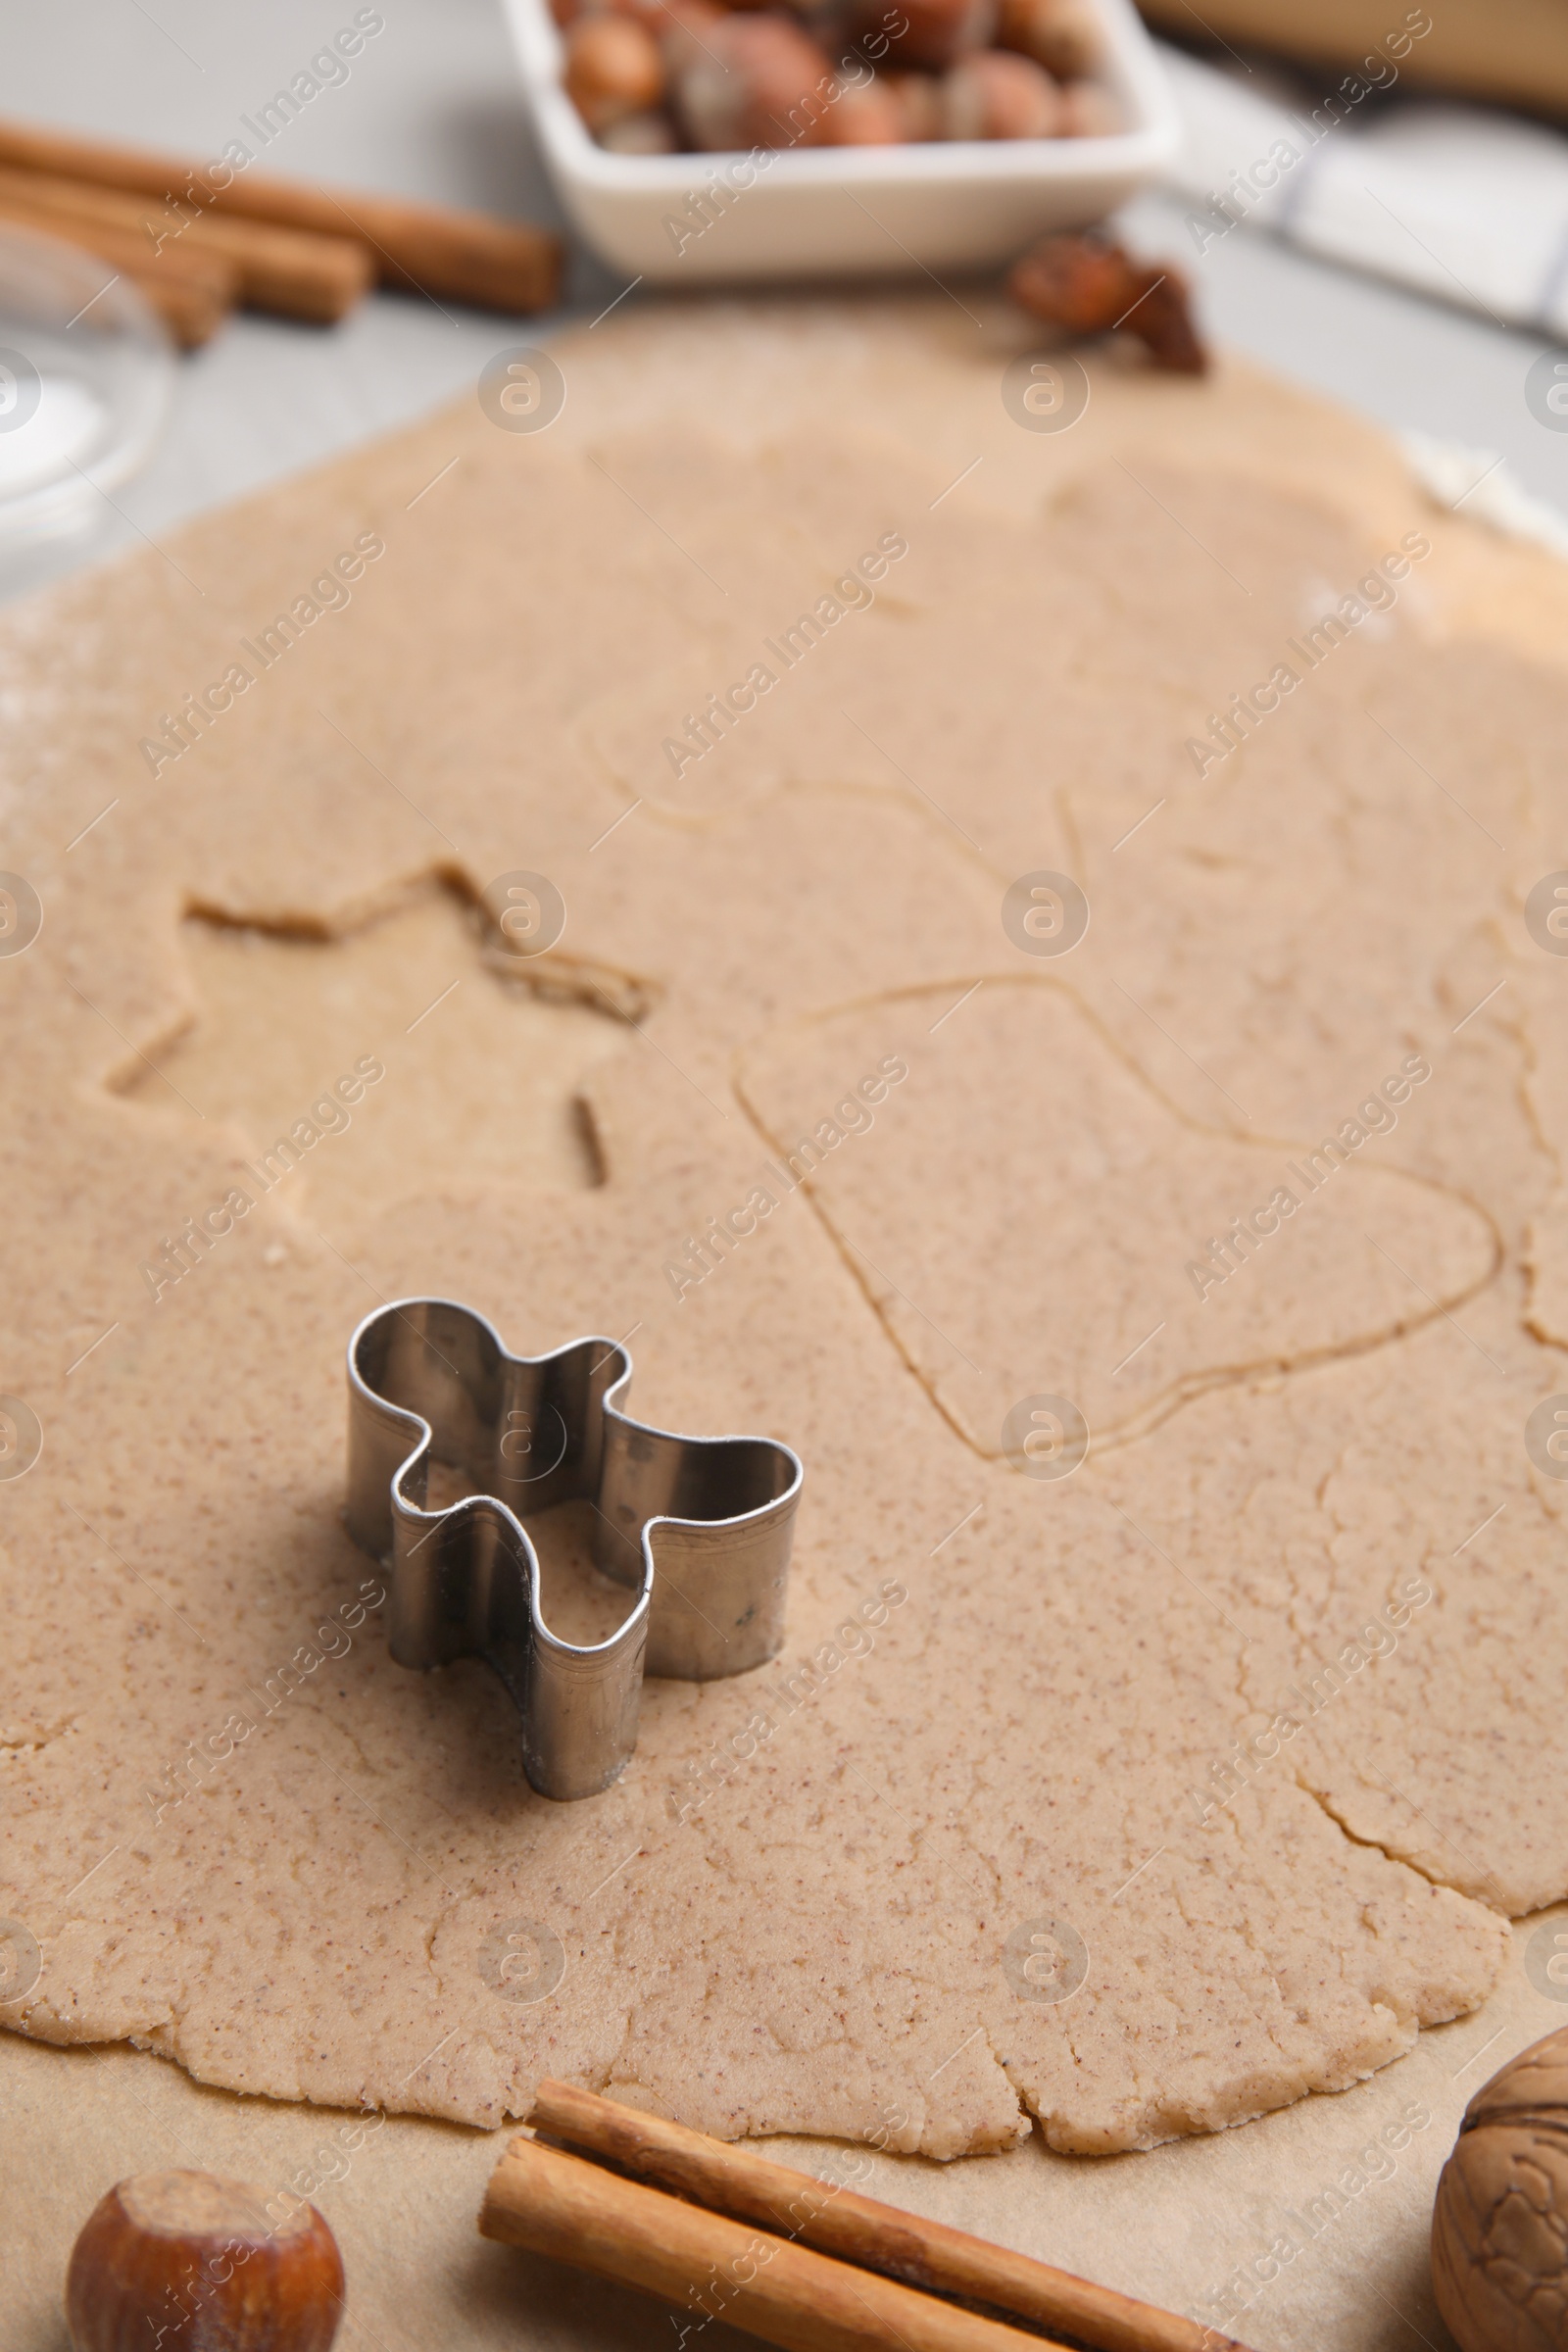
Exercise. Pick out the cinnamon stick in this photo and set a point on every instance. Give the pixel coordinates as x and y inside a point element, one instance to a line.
<point>192,296</point>
<point>298,276</point>
<point>433,249</point>
<point>716,2267</point>
<point>737,2181</point>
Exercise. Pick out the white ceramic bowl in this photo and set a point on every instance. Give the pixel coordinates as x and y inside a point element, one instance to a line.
<point>844,211</point>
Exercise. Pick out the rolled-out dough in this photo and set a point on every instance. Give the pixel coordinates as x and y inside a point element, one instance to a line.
<point>1015,1828</point>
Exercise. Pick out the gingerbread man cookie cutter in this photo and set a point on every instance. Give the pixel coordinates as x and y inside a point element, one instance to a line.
<point>700,1526</point>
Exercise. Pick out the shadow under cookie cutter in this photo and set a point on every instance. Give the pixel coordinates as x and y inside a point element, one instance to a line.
<point>700,1526</point>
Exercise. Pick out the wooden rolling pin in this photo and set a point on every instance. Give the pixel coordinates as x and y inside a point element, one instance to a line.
<point>432,248</point>
<point>735,2180</point>
<point>317,278</point>
<point>714,2268</point>
<point>192,293</point>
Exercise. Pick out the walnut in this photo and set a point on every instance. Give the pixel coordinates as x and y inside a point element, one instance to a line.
<point>1499,2228</point>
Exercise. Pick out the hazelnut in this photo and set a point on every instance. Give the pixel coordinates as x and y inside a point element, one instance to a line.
<point>1500,2227</point>
<point>649,133</point>
<point>864,114</point>
<point>1062,35</point>
<point>650,13</point>
<point>1080,282</point>
<point>1088,285</point>
<point>613,68</point>
<point>756,81</point>
<point>684,30</point>
<point>657,15</point>
<point>919,97</point>
<point>937,33</point>
<point>195,2258</point>
<point>994,95</point>
<point>1089,112</point>
<point>1162,317</point>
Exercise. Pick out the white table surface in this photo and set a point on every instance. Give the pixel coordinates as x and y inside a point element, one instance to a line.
<point>431,109</point>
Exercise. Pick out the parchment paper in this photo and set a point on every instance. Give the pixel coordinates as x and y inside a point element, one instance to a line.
<point>1174,2224</point>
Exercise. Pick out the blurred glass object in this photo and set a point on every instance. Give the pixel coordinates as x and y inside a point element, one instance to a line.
<point>85,375</point>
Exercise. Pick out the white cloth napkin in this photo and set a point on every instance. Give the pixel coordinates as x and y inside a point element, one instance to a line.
<point>1465,202</point>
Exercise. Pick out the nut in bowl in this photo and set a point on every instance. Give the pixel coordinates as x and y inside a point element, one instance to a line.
<point>694,143</point>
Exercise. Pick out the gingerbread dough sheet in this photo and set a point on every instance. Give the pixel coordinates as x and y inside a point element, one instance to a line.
<point>1129,1797</point>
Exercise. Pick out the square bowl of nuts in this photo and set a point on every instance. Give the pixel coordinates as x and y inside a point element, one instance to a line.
<point>694,142</point>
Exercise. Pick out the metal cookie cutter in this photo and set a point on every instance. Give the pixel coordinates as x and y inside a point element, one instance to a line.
<point>700,1526</point>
